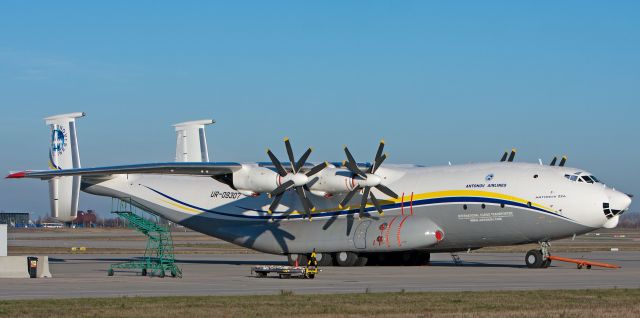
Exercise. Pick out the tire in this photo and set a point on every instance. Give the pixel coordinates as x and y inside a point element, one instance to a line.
<point>110,272</point>
<point>144,272</point>
<point>361,261</point>
<point>261,274</point>
<point>285,276</point>
<point>174,273</point>
<point>345,258</point>
<point>302,259</point>
<point>423,258</point>
<point>326,259</point>
<point>533,259</point>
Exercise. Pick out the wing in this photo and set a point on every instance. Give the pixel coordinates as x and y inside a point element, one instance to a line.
<point>172,168</point>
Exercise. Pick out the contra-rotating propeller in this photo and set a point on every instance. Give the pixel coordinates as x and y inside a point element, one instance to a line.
<point>295,179</point>
<point>367,180</point>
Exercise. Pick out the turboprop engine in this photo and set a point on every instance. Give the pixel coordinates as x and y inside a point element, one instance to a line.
<point>252,180</point>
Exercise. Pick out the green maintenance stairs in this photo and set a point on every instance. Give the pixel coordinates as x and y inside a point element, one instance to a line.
<point>158,256</point>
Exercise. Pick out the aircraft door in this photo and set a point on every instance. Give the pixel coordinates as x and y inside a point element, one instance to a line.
<point>360,235</point>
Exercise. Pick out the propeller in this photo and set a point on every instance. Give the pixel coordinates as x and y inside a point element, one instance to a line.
<point>294,179</point>
<point>368,179</point>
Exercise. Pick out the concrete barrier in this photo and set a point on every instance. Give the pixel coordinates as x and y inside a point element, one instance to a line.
<point>3,240</point>
<point>16,267</point>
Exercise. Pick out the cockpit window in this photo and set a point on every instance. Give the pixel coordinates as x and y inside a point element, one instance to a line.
<point>576,177</point>
<point>587,179</point>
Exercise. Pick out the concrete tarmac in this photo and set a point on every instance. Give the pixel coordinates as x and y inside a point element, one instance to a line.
<point>85,275</point>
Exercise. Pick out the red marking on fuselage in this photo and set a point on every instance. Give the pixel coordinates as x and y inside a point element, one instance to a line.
<point>411,206</point>
<point>402,204</point>
<point>389,229</point>
<point>400,228</point>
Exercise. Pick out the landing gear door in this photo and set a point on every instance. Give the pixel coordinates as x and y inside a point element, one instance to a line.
<point>360,235</point>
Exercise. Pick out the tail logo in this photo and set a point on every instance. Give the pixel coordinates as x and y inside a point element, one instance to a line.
<point>58,140</point>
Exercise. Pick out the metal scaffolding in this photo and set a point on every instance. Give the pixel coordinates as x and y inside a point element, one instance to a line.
<point>158,256</point>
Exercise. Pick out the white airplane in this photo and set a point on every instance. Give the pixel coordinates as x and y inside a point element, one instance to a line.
<point>350,213</point>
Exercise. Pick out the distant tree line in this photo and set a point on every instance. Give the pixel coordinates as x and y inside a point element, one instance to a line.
<point>630,220</point>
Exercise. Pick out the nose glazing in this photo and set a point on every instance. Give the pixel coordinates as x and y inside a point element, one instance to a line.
<point>618,202</point>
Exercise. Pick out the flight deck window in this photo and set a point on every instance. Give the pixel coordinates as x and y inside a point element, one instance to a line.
<point>587,179</point>
<point>595,179</point>
<point>573,178</point>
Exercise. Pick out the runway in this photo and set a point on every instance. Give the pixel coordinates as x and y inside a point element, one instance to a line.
<point>229,274</point>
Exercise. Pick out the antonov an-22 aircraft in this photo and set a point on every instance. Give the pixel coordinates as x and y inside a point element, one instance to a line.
<point>351,213</point>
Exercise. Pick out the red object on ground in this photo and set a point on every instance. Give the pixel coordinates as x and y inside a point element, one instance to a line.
<point>296,264</point>
<point>581,262</point>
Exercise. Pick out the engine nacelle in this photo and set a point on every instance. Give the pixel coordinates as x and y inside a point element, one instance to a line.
<point>251,180</point>
<point>332,180</point>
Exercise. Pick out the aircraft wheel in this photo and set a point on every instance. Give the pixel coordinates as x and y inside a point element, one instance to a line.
<point>533,259</point>
<point>144,272</point>
<point>302,259</point>
<point>324,259</point>
<point>346,258</point>
<point>361,261</point>
<point>422,258</point>
<point>110,272</point>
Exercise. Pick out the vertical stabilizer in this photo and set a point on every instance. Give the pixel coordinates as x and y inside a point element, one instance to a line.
<point>191,142</point>
<point>63,154</point>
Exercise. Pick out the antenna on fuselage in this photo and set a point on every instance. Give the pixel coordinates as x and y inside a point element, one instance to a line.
<point>512,155</point>
<point>563,161</point>
<point>504,157</point>
<point>553,162</point>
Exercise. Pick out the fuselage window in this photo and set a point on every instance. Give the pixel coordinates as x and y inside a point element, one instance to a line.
<point>464,206</point>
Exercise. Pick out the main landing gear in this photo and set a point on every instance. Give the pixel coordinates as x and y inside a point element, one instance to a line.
<point>349,259</point>
<point>539,258</point>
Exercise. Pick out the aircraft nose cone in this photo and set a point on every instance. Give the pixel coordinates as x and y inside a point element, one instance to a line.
<point>619,201</point>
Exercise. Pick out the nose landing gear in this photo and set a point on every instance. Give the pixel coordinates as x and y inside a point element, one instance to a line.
<point>539,258</point>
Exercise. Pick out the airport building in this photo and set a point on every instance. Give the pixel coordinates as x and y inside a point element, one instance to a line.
<point>19,219</point>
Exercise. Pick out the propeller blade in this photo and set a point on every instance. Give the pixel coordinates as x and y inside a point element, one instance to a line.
<point>376,203</point>
<point>277,163</point>
<point>378,154</point>
<point>563,161</point>
<point>386,191</point>
<point>348,197</point>
<point>504,157</point>
<point>306,203</point>
<point>275,203</point>
<point>303,159</point>
<point>553,162</point>
<point>351,163</point>
<point>377,163</point>
<point>282,188</point>
<point>363,202</point>
<point>316,169</point>
<point>512,155</point>
<point>292,161</point>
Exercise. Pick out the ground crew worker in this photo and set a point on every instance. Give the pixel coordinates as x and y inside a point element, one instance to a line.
<point>312,259</point>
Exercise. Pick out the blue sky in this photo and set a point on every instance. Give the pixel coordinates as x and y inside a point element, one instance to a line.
<point>458,81</point>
